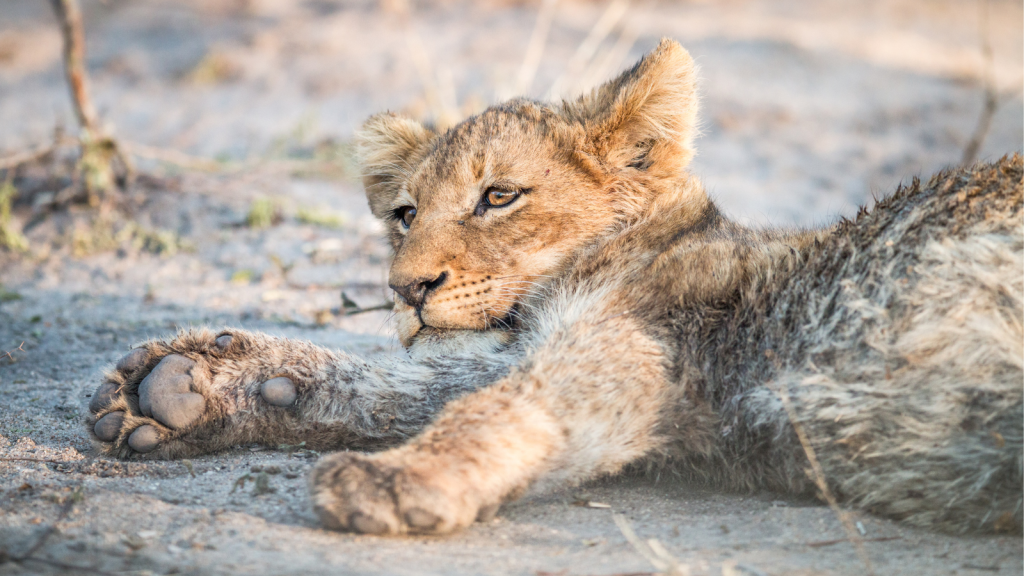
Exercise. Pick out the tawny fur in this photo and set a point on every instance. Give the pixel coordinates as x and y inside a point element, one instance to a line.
<point>610,315</point>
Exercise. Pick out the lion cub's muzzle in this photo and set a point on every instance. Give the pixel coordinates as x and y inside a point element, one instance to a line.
<point>415,293</point>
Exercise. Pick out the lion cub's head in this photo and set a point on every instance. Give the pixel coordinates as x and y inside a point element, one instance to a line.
<point>487,211</point>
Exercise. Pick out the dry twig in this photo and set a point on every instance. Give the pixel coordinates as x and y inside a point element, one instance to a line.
<point>823,543</point>
<point>20,348</point>
<point>17,159</point>
<point>99,150</point>
<point>20,459</point>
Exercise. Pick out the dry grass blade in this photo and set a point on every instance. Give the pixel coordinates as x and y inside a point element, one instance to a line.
<point>652,550</point>
<point>534,50</point>
<point>605,65</point>
<point>991,92</point>
<point>819,479</point>
<point>569,79</point>
<point>440,96</point>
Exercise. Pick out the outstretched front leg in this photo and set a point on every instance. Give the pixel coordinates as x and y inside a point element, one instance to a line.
<point>590,399</point>
<point>204,391</point>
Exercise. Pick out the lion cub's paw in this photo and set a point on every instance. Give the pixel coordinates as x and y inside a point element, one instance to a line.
<point>374,494</point>
<point>161,398</point>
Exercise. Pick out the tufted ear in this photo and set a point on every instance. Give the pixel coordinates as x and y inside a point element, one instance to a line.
<point>388,147</point>
<point>646,118</point>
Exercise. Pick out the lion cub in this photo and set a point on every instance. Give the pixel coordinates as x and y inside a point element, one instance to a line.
<point>573,303</point>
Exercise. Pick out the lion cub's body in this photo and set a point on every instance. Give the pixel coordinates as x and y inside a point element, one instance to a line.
<point>609,314</point>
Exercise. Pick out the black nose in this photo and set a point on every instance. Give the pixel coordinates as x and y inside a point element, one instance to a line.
<point>415,293</point>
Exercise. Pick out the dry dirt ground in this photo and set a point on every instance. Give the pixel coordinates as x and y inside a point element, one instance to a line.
<point>809,110</point>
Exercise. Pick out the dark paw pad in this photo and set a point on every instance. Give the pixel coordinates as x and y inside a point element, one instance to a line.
<point>364,524</point>
<point>420,519</point>
<point>134,360</point>
<point>103,396</point>
<point>166,394</point>
<point>487,513</point>
<point>279,391</point>
<point>144,439</point>
<point>223,342</point>
<point>108,427</point>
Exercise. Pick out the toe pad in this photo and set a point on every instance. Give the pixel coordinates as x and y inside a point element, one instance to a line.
<point>108,427</point>
<point>279,391</point>
<point>134,360</point>
<point>366,524</point>
<point>103,396</point>
<point>145,439</point>
<point>166,393</point>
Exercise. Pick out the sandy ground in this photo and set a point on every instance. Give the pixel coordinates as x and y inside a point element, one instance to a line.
<point>810,109</point>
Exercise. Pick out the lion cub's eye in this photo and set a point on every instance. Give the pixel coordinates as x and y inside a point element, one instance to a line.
<point>499,197</point>
<point>496,198</point>
<point>406,214</point>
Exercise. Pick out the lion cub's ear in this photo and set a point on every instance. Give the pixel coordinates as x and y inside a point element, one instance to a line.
<point>388,147</point>
<point>646,118</point>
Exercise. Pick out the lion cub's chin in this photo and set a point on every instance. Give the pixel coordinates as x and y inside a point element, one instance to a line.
<point>430,341</point>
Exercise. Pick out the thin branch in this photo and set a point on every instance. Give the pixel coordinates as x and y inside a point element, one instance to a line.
<point>387,305</point>
<point>69,568</point>
<point>823,543</point>
<point>15,160</point>
<point>18,349</point>
<point>19,459</point>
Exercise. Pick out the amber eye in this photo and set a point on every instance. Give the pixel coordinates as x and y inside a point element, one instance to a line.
<point>406,214</point>
<point>499,197</point>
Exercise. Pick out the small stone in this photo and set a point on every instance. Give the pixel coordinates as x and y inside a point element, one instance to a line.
<point>279,391</point>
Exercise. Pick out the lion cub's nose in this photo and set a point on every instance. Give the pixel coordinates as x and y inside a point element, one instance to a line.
<point>415,293</point>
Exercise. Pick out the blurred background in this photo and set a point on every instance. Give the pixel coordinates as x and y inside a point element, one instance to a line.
<point>215,186</point>
<point>238,116</point>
